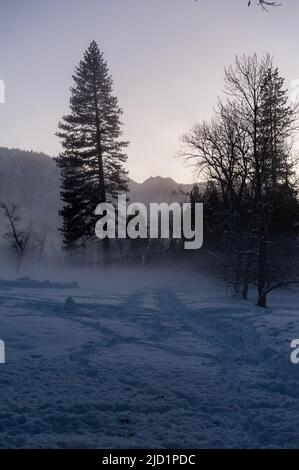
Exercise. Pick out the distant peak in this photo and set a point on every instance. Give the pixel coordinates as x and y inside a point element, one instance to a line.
<point>159,179</point>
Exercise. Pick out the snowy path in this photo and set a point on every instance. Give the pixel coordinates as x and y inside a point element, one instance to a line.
<point>147,367</point>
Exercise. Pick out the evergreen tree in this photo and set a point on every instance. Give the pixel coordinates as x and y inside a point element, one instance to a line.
<point>276,126</point>
<point>92,160</point>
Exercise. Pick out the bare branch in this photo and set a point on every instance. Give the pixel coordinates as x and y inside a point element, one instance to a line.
<point>265,4</point>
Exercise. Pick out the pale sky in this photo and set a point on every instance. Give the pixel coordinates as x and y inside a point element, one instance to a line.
<point>166,57</point>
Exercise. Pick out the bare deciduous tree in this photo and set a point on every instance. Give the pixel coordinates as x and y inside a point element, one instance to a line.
<point>245,150</point>
<point>20,240</point>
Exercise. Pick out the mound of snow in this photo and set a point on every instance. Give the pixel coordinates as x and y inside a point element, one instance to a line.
<point>32,284</point>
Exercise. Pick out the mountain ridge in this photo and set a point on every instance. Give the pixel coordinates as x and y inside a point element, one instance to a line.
<point>31,180</point>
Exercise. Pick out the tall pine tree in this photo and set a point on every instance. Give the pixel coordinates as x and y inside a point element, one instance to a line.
<point>277,119</point>
<point>92,161</point>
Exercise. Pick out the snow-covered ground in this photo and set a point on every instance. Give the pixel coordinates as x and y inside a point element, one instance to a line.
<point>146,364</point>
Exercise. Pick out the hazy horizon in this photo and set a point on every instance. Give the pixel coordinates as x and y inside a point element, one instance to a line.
<point>151,50</point>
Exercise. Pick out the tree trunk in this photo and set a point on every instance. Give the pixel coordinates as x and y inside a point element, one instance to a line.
<point>245,290</point>
<point>101,177</point>
<point>18,265</point>
<point>106,247</point>
<point>246,279</point>
<point>262,301</point>
<point>262,262</point>
<point>262,267</point>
